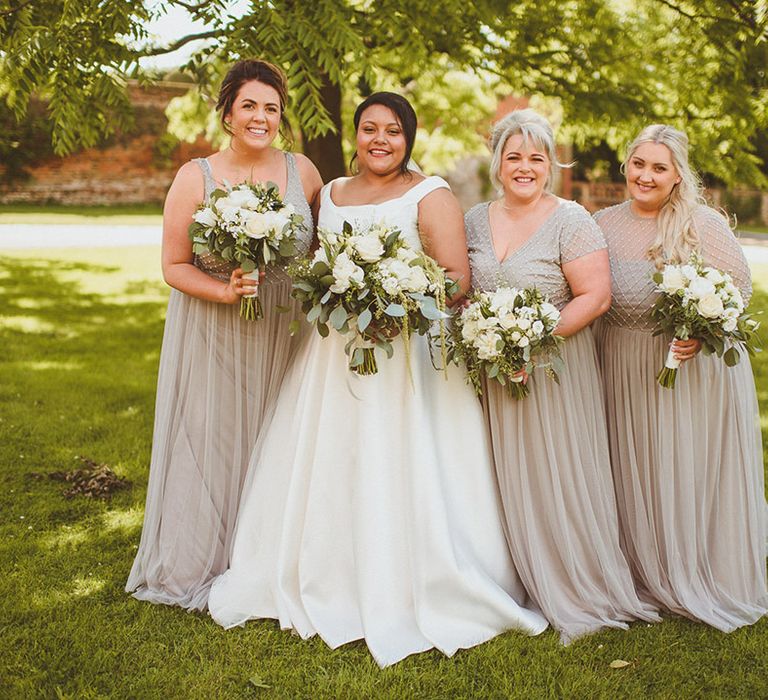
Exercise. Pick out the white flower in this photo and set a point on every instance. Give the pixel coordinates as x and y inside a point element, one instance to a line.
<point>243,198</point>
<point>486,345</point>
<point>507,319</point>
<point>346,274</point>
<point>523,324</point>
<point>672,279</point>
<point>713,275</point>
<point>689,272</point>
<point>228,212</point>
<point>417,279</point>
<point>537,327</point>
<point>287,209</point>
<point>369,248</point>
<point>469,330</point>
<point>523,342</point>
<point>515,336</point>
<point>503,297</point>
<point>550,312</point>
<point>206,217</point>
<point>701,287</point>
<point>710,306</point>
<point>320,256</point>
<point>729,325</point>
<point>257,226</point>
<point>406,254</point>
<point>487,323</point>
<point>391,285</point>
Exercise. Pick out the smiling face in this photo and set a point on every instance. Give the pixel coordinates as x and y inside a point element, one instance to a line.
<point>381,143</point>
<point>651,176</point>
<point>255,115</point>
<point>524,169</point>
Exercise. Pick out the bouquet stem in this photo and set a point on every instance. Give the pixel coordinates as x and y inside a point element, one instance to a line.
<point>668,374</point>
<point>250,304</point>
<point>518,389</point>
<point>368,365</point>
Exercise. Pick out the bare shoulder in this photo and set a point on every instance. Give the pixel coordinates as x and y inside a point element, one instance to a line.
<point>188,185</point>
<point>440,198</point>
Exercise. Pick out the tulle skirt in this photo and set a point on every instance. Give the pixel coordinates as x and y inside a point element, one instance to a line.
<point>688,470</point>
<point>551,455</point>
<point>218,378</point>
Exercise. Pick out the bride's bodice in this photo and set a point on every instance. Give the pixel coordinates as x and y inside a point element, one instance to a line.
<point>401,212</point>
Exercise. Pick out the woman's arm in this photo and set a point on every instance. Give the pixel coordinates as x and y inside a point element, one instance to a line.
<point>441,228</point>
<point>589,278</point>
<point>311,182</point>
<point>184,197</point>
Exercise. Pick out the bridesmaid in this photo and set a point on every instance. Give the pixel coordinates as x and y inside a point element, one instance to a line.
<point>551,448</point>
<point>218,373</point>
<point>687,461</point>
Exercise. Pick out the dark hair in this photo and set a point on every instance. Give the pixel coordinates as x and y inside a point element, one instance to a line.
<point>405,114</point>
<point>245,71</point>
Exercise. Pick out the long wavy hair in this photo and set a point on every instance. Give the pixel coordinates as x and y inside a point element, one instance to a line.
<point>677,237</point>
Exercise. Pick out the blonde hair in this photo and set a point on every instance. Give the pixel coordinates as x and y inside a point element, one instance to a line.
<point>676,236</point>
<point>533,127</point>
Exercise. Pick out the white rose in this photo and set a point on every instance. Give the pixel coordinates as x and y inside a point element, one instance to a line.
<point>710,306</point>
<point>503,297</point>
<point>228,212</point>
<point>469,330</point>
<point>507,319</point>
<point>391,285</point>
<point>701,287</point>
<point>243,198</point>
<point>689,272</point>
<point>537,327</point>
<point>523,324</point>
<point>346,274</point>
<point>487,323</point>
<point>417,280</point>
<point>369,248</point>
<point>486,345</point>
<point>523,342</point>
<point>287,209</point>
<point>515,336</point>
<point>550,312</point>
<point>672,279</point>
<point>406,255</point>
<point>713,275</point>
<point>257,226</point>
<point>729,325</point>
<point>206,217</point>
<point>320,256</point>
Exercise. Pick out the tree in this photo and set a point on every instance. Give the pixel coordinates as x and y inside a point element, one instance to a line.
<point>612,65</point>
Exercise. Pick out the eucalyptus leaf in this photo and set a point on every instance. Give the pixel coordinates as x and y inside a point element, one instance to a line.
<point>338,317</point>
<point>395,310</point>
<point>364,320</point>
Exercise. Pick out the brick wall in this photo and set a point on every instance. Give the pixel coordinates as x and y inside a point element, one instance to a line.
<point>123,174</point>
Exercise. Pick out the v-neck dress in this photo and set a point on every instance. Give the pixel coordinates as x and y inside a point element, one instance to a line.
<point>218,377</point>
<point>688,461</point>
<point>551,448</point>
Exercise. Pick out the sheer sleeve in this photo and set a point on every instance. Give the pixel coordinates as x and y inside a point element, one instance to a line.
<point>721,249</point>
<point>579,234</point>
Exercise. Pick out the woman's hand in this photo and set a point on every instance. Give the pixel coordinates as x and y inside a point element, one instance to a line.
<point>523,375</point>
<point>239,286</point>
<point>685,349</point>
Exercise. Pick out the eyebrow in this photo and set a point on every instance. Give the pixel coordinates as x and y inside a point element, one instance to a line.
<point>518,153</point>
<point>658,162</point>
<point>268,104</point>
<point>373,123</point>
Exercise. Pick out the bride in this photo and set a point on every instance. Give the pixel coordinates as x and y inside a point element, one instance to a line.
<point>370,509</point>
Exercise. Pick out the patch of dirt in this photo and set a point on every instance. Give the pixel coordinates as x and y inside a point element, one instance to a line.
<point>92,481</point>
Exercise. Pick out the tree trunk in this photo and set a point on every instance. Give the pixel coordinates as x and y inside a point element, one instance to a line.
<point>325,151</point>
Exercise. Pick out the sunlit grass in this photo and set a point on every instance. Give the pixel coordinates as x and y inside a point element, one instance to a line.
<point>139,214</point>
<point>80,333</point>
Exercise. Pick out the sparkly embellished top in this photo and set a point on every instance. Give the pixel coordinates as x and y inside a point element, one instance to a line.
<point>629,237</point>
<point>294,194</point>
<point>569,233</point>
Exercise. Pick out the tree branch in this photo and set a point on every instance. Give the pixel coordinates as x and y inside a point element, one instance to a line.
<point>14,10</point>
<point>159,50</point>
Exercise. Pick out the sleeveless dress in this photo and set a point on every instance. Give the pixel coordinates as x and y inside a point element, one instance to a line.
<point>370,510</point>
<point>218,376</point>
<point>687,462</point>
<point>551,448</point>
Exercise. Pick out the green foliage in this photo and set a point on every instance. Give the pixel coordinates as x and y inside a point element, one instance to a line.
<point>23,143</point>
<point>613,65</point>
<point>69,388</point>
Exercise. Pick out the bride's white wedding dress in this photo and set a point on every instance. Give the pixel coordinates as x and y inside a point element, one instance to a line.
<point>370,509</point>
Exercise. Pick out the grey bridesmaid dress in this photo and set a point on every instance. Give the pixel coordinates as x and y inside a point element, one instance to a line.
<point>218,377</point>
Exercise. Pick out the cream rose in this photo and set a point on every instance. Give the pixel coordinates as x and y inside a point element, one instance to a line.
<point>710,306</point>
<point>672,279</point>
<point>701,287</point>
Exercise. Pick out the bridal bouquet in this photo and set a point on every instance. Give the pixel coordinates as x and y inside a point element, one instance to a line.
<point>503,332</point>
<point>248,224</point>
<point>370,284</point>
<point>701,302</point>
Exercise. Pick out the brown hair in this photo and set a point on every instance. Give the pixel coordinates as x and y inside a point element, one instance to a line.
<point>245,71</point>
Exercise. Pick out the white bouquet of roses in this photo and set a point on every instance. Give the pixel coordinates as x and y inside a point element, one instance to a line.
<point>370,285</point>
<point>248,224</point>
<point>503,332</point>
<point>701,302</point>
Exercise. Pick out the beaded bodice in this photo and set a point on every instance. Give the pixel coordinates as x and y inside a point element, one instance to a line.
<point>568,234</point>
<point>630,236</point>
<point>294,194</point>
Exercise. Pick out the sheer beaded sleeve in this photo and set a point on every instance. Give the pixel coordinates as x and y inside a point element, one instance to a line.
<point>720,248</point>
<point>579,234</point>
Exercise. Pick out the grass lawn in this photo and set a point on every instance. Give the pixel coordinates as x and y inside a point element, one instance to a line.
<point>137,214</point>
<point>80,334</point>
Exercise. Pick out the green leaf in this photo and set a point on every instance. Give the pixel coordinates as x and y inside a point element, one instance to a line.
<point>364,319</point>
<point>257,682</point>
<point>731,357</point>
<point>338,317</point>
<point>323,329</point>
<point>395,310</point>
<point>294,326</point>
<point>357,358</point>
<point>314,313</point>
<point>429,309</point>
